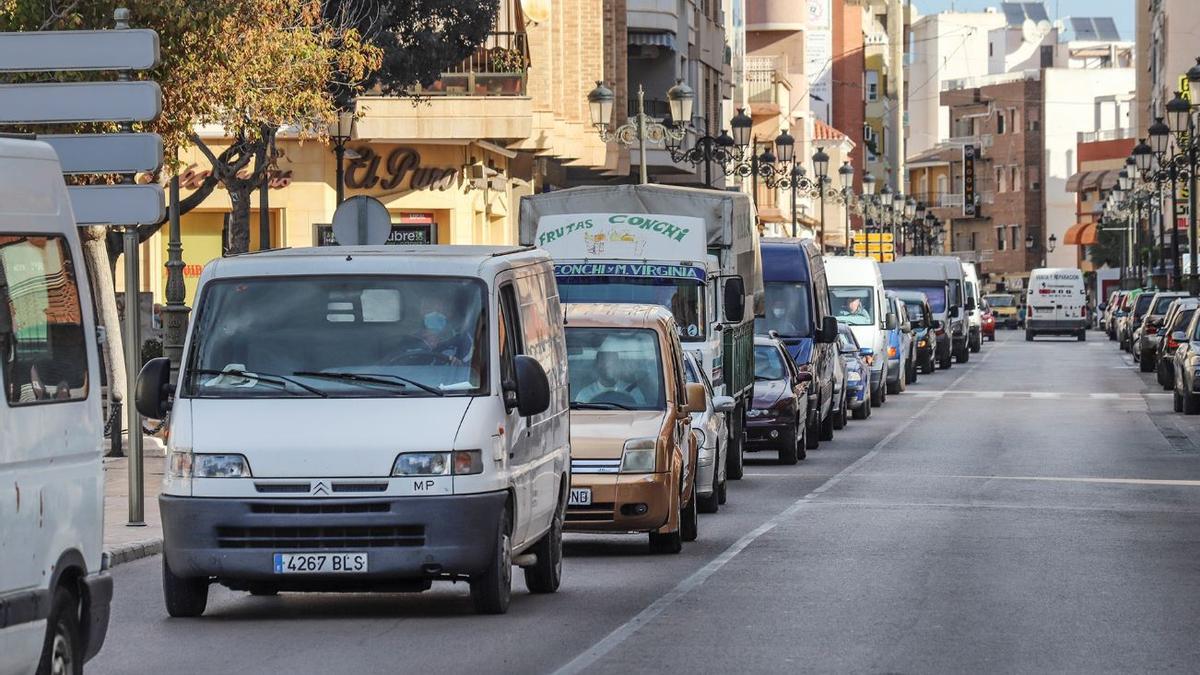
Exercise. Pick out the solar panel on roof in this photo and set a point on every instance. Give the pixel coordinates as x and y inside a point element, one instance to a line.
<point>1084,28</point>
<point>1107,28</point>
<point>1014,13</point>
<point>1036,11</point>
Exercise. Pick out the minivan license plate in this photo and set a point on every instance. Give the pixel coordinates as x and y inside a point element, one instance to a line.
<point>580,497</point>
<point>320,563</point>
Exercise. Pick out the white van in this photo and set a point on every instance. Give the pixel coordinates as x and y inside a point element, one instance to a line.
<point>975,302</point>
<point>856,298</point>
<point>366,418</point>
<point>1056,303</point>
<point>54,599</point>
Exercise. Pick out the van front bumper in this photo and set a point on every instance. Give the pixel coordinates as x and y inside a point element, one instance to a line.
<point>616,498</point>
<point>404,538</point>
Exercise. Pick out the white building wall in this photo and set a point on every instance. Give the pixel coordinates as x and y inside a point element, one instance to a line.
<point>1068,108</point>
<point>945,46</point>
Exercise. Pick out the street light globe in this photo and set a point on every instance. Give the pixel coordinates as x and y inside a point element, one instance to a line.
<point>785,146</point>
<point>846,172</point>
<point>1193,76</point>
<point>681,98</point>
<point>1143,156</point>
<point>1177,113</point>
<point>820,162</point>
<point>1160,136</point>
<point>910,208</point>
<point>885,196</point>
<point>1124,181</point>
<point>920,210</point>
<point>600,104</point>
<point>898,201</point>
<point>868,182</point>
<point>741,125</point>
<point>724,140</point>
<point>1053,242</point>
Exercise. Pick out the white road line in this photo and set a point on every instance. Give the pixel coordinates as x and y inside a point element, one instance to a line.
<point>1044,394</point>
<point>697,578</point>
<point>1114,481</point>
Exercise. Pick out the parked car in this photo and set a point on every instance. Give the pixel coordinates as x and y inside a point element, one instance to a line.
<point>1056,303</point>
<point>54,596</point>
<point>777,415</point>
<point>1136,305</point>
<point>709,427</point>
<point>361,389</point>
<point>974,315</point>
<point>633,456</point>
<point>925,327</point>
<point>987,324</point>
<point>1004,308</point>
<point>901,351</point>
<point>1177,319</point>
<point>856,299</point>
<point>929,276</point>
<point>858,373</point>
<point>1111,309</point>
<point>1147,344</point>
<point>1186,363</point>
<point>797,302</point>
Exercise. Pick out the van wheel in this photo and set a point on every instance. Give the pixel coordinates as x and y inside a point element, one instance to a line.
<point>492,589</point>
<point>789,445</point>
<point>963,355</point>
<point>184,596</point>
<point>827,427</point>
<point>930,365</point>
<point>735,449</point>
<point>723,492</point>
<point>689,522</point>
<point>1178,402</point>
<point>711,503</point>
<point>910,371</point>
<point>945,363</point>
<point>546,575</point>
<point>877,394</point>
<point>62,651</point>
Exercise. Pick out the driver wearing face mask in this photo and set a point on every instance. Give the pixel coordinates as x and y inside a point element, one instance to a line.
<point>437,334</point>
<point>779,319</point>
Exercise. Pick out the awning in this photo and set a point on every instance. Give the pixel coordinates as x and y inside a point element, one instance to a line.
<point>1092,180</point>
<point>659,39</point>
<point>1075,179</point>
<point>1081,234</point>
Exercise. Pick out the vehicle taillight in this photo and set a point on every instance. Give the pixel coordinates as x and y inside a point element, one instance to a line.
<point>1171,344</point>
<point>1029,310</point>
<point>1083,311</point>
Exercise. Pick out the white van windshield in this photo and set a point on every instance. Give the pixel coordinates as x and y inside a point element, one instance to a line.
<point>345,337</point>
<point>612,368</point>
<point>853,305</point>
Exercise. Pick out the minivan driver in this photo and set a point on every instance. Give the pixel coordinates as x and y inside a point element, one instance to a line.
<point>608,371</point>
<point>855,308</point>
<point>779,319</point>
<point>436,333</point>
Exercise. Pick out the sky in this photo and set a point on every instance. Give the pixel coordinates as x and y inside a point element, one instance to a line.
<point>1120,10</point>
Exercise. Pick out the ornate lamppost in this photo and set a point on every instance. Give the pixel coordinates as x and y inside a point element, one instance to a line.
<point>340,132</point>
<point>642,129</point>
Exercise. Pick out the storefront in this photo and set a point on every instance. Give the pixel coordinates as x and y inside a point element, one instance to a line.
<point>436,193</point>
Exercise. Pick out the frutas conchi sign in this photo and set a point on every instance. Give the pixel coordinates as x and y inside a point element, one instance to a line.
<point>623,236</point>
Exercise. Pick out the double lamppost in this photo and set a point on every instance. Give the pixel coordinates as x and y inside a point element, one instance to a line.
<point>1177,166</point>
<point>642,128</point>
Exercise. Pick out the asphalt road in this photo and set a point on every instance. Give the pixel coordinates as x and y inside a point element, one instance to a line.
<point>1034,510</point>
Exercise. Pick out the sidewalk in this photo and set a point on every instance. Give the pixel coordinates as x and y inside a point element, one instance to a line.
<point>123,543</point>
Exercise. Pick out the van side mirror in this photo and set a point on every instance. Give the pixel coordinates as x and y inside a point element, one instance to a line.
<point>829,330</point>
<point>724,404</point>
<point>906,326</point>
<point>532,386</point>
<point>953,313</point>
<point>152,396</point>
<point>889,321</point>
<point>936,324</point>
<point>971,304</point>
<point>804,376</point>
<point>697,398</point>
<point>734,299</point>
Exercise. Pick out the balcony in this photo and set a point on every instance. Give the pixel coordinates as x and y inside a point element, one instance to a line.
<point>764,78</point>
<point>497,67</point>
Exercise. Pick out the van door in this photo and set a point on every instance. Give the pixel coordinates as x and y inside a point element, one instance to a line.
<point>516,428</point>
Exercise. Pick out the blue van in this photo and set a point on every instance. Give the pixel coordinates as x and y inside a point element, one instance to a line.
<point>797,302</point>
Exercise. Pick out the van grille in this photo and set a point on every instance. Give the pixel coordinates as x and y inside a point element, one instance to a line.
<point>321,537</point>
<point>336,508</point>
<point>597,512</point>
<point>282,487</point>
<point>360,487</point>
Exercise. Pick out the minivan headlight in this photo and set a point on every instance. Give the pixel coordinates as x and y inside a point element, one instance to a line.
<point>209,466</point>
<point>459,463</point>
<point>639,455</point>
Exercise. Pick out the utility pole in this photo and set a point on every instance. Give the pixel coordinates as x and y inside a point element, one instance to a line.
<point>895,28</point>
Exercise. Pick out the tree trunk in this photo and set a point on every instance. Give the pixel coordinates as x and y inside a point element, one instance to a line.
<point>239,218</point>
<point>95,254</point>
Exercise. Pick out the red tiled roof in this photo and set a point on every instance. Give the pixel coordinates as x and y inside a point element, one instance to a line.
<point>824,132</point>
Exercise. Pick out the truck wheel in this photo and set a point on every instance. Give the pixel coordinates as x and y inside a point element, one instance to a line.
<point>734,452</point>
<point>546,575</point>
<point>689,522</point>
<point>491,589</point>
<point>184,596</point>
<point>62,651</point>
<point>789,444</point>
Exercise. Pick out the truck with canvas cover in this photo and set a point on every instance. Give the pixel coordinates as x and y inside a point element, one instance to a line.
<point>692,251</point>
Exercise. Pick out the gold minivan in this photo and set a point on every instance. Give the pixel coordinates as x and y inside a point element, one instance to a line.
<point>633,456</point>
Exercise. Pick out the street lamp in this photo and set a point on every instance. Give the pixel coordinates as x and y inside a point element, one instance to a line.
<point>1053,243</point>
<point>340,131</point>
<point>1168,171</point>
<point>846,173</point>
<point>642,127</point>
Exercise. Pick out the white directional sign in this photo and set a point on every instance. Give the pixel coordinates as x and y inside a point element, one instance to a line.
<point>61,103</point>
<point>117,204</point>
<point>106,153</point>
<point>129,49</point>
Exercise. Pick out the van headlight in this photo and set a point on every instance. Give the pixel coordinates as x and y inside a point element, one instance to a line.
<point>639,455</point>
<point>188,465</point>
<point>459,463</point>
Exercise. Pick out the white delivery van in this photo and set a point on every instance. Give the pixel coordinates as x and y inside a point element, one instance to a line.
<point>54,599</point>
<point>856,298</point>
<point>975,304</point>
<point>366,418</point>
<point>1056,303</point>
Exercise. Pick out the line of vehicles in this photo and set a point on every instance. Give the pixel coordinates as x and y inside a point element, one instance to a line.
<point>1160,331</point>
<point>380,418</point>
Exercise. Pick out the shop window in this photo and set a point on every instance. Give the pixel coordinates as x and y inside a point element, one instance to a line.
<point>43,352</point>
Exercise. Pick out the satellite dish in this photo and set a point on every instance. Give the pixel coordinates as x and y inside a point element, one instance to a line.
<point>1029,31</point>
<point>1044,27</point>
<point>361,221</point>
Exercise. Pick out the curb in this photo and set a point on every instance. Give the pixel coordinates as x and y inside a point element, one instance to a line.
<point>132,551</point>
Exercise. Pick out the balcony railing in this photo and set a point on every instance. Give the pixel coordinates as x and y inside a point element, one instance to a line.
<point>497,67</point>
<point>763,75</point>
<point>1105,135</point>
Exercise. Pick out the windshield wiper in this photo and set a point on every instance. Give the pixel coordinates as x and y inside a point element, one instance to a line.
<point>760,378</point>
<point>280,381</point>
<point>607,405</point>
<point>372,378</point>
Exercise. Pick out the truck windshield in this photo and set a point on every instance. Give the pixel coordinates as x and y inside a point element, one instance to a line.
<point>1000,300</point>
<point>853,305</point>
<point>955,292</point>
<point>343,337</point>
<point>684,297</point>
<point>617,369</point>
<point>788,311</point>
